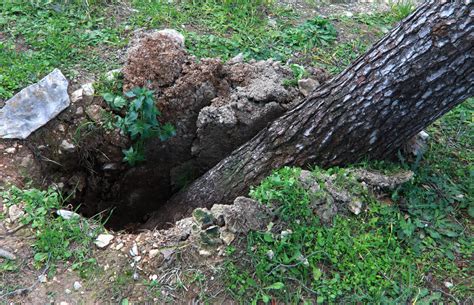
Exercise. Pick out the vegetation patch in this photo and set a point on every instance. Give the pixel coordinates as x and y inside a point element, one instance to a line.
<point>413,245</point>
<point>57,239</point>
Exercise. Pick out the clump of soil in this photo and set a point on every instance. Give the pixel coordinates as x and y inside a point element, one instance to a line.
<point>214,106</point>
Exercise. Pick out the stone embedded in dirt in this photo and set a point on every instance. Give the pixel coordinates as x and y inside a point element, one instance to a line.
<point>244,215</point>
<point>94,112</point>
<point>15,213</point>
<point>34,106</point>
<point>355,206</point>
<point>227,237</point>
<point>307,85</point>
<point>417,145</point>
<point>153,253</point>
<point>10,150</point>
<point>42,278</point>
<point>67,146</point>
<point>77,285</point>
<point>103,240</point>
<point>134,250</point>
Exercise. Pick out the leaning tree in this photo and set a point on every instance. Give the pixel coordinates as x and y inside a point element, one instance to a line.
<point>414,75</point>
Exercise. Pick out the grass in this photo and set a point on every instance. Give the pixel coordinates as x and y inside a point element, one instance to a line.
<point>57,240</point>
<point>403,252</point>
<point>37,39</point>
<point>81,36</point>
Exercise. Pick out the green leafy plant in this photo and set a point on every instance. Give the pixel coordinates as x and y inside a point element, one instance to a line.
<point>140,122</point>
<point>299,72</point>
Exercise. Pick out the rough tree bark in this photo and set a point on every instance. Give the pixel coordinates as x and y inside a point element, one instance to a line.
<point>414,75</point>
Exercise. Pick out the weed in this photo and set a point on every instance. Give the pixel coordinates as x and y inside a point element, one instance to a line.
<point>56,239</point>
<point>140,121</point>
<point>299,73</point>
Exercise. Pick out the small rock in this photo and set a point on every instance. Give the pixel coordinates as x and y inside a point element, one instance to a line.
<point>236,59</point>
<point>10,150</point>
<point>76,96</point>
<point>65,214</point>
<point>67,291</point>
<point>227,237</point>
<point>119,246</point>
<point>42,278</point>
<point>112,74</point>
<point>137,258</point>
<point>79,111</point>
<point>67,146</point>
<point>270,254</point>
<point>153,253</point>
<point>205,253</point>
<point>448,284</point>
<point>220,221</point>
<point>285,233</point>
<point>103,240</point>
<point>355,207</point>
<point>307,85</point>
<point>94,112</point>
<point>88,89</point>
<point>136,276</point>
<point>14,213</point>
<point>77,285</point>
<point>134,250</point>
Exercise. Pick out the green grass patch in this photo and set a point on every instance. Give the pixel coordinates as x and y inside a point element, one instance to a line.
<point>39,38</point>
<point>392,253</point>
<point>56,239</point>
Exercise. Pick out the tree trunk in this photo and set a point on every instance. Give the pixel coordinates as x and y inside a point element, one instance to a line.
<point>414,75</point>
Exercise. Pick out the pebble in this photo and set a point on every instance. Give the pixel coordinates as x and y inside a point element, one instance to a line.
<point>103,240</point>
<point>448,284</point>
<point>42,278</point>
<point>10,150</point>
<point>77,285</point>
<point>134,250</point>
<point>153,253</point>
<point>205,253</point>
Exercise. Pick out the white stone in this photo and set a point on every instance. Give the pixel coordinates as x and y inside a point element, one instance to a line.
<point>355,207</point>
<point>134,250</point>
<point>77,285</point>
<point>10,150</point>
<point>34,106</point>
<point>88,89</point>
<point>205,253</point>
<point>76,96</point>
<point>42,278</point>
<point>67,146</point>
<point>448,284</point>
<point>227,237</point>
<point>103,240</point>
<point>153,253</point>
